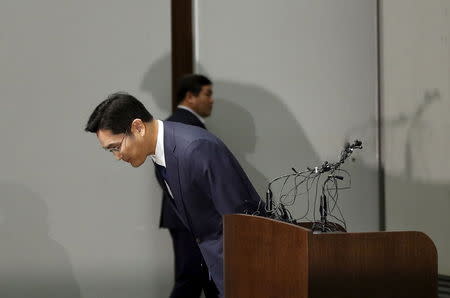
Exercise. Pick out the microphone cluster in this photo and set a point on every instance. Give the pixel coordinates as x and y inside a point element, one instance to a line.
<point>303,183</point>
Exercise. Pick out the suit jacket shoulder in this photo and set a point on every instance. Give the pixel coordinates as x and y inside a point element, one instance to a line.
<point>186,117</point>
<point>208,168</point>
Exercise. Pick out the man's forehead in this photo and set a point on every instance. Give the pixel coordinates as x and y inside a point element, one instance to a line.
<point>106,137</point>
<point>206,88</point>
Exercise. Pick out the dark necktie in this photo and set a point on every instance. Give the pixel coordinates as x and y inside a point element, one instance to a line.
<point>162,171</point>
<point>163,174</point>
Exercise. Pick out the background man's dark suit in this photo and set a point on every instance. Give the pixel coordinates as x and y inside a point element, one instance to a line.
<point>190,270</point>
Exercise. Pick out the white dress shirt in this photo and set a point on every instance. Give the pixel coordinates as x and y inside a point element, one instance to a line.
<point>159,157</point>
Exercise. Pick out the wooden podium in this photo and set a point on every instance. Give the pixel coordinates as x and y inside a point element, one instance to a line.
<point>273,259</point>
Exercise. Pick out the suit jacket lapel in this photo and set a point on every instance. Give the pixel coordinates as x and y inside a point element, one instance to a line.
<point>173,176</point>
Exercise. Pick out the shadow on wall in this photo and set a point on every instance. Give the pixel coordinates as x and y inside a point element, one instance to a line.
<point>31,263</point>
<point>239,128</point>
<point>260,130</point>
<point>419,195</point>
<point>409,135</point>
<point>268,140</point>
<point>430,97</point>
<point>157,82</point>
<point>410,187</point>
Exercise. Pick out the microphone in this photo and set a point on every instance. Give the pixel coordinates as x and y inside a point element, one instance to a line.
<point>269,196</point>
<point>336,177</point>
<point>284,215</point>
<point>323,208</point>
<point>326,167</point>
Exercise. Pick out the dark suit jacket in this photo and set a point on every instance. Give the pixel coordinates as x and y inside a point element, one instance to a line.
<point>207,182</point>
<point>169,219</point>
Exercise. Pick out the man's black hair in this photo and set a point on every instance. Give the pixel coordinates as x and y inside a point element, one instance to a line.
<point>191,83</point>
<point>116,113</point>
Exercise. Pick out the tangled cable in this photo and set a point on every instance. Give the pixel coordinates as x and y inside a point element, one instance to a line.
<point>301,184</point>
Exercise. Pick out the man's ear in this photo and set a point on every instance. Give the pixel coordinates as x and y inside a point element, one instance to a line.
<point>138,127</point>
<point>189,97</point>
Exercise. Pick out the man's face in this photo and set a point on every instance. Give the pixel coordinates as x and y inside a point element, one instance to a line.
<point>202,104</point>
<point>126,147</point>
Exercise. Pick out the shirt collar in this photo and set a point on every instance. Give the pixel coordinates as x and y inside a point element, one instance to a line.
<point>192,111</point>
<point>159,157</point>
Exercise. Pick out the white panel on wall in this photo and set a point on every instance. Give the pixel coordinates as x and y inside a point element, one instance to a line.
<point>73,222</point>
<point>416,105</point>
<point>294,80</point>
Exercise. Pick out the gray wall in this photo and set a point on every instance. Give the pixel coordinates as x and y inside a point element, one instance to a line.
<point>293,80</point>
<point>73,222</point>
<point>416,105</point>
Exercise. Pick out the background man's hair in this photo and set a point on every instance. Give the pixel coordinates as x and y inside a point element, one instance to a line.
<point>116,113</point>
<point>191,83</point>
